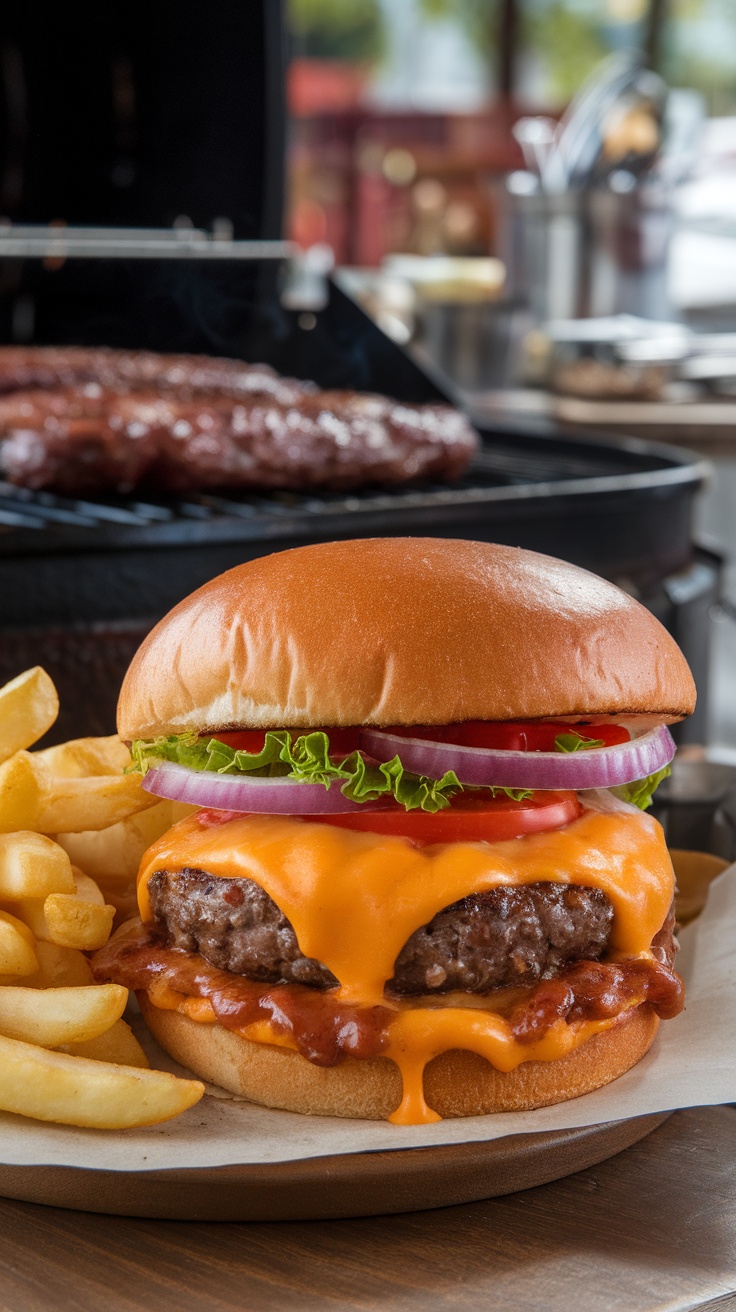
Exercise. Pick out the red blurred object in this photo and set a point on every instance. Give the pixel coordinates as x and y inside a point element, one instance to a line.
<point>342,186</point>
<point>324,86</point>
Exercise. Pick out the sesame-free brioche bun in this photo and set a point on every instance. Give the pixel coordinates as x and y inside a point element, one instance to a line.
<point>385,631</point>
<point>456,1083</point>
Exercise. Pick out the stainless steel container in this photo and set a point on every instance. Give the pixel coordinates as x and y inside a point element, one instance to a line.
<point>581,254</point>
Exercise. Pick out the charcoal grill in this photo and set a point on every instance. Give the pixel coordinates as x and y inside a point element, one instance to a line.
<point>82,580</point>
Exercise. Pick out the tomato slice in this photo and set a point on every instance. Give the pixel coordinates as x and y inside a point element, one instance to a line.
<point>241,740</point>
<point>471,817</point>
<point>513,736</point>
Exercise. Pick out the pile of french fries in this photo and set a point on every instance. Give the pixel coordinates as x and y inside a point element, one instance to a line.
<point>73,828</point>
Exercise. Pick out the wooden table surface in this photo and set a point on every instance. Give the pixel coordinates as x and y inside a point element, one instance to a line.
<point>654,1228</point>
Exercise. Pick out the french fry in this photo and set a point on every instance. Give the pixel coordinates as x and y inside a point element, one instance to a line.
<point>50,1017</point>
<point>31,865</point>
<point>57,968</point>
<point>16,947</point>
<point>80,919</point>
<point>115,853</point>
<point>72,922</point>
<point>29,911</point>
<point>32,798</point>
<point>53,1086</point>
<point>71,805</point>
<point>86,888</point>
<point>20,793</point>
<point>81,758</point>
<point>28,707</point>
<point>65,1053</point>
<point>118,1045</point>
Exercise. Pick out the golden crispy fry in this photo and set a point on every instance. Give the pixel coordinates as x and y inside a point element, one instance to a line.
<point>80,919</point>
<point>86,888</point>
<point>115,853</point>
<point>20,793</point>
<point>73,922</point>
<point>57,968</point>
<point>16,947</point>
<point>118,1044</point>
<point>29,911</point>
<point>52,1086</point>
<point>32,798</point>
<point>98,1076</point>
<point>72,805</point>
<point>28,707</point>
<point>81,758</point>
<point>50,1017</point>
<point>31,865</point>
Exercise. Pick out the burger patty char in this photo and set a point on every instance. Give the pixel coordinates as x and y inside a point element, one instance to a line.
<point>510,935</point>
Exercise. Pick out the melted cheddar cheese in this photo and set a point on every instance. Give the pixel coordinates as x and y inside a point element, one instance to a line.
<point>354,899</point>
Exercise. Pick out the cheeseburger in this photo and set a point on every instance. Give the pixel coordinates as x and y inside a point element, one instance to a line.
<point>419,880</point>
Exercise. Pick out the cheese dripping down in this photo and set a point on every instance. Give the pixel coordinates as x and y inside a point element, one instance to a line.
<point>354,899</point>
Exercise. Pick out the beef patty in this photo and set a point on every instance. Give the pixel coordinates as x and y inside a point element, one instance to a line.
<point>510,935</point>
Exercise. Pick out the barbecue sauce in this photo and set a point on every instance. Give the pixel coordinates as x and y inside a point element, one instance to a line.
<point>542,1022</point>
<point>321,1028</point>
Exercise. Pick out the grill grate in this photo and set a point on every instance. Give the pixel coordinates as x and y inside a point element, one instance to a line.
<point>492,468</point>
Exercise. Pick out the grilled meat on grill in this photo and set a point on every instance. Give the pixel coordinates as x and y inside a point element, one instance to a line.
<point>87,421</point>
<point>73,444</point>
<point>52,367</point>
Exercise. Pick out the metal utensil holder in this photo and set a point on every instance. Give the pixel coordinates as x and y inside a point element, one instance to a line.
<point>590,253</point>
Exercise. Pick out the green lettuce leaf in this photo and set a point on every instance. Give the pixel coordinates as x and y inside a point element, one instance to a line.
<point>516,794</point>
<point>366,783</point>
<point>576,742</point>
<point>307,758</point>
<point>184,749</point>
<point>641,791</point>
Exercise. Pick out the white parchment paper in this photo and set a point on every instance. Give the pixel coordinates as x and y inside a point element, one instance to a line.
<point>691,1064</point>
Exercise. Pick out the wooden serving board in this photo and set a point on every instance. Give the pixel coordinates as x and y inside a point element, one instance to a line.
<point>322,1188</point>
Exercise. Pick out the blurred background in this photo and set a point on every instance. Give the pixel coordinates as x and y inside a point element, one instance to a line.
<point>401,112</point>
<point>589,147</point>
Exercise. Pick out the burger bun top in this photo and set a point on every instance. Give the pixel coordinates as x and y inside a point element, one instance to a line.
<point>385,631</point>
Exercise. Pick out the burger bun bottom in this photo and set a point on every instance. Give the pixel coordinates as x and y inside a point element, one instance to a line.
<point>457,1083</point>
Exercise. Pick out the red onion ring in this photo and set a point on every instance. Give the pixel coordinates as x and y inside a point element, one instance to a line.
<point>599,767</point>
<point>229,792</point>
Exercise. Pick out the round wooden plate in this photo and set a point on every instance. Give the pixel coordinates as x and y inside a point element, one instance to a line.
<point>322,1188</point>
